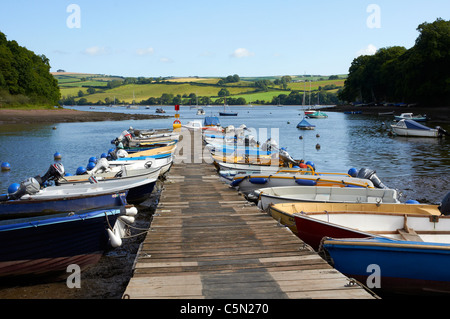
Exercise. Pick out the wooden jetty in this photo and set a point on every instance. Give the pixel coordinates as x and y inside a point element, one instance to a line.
<point>207,241</point>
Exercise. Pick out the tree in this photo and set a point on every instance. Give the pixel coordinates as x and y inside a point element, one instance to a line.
<point>223,92</point>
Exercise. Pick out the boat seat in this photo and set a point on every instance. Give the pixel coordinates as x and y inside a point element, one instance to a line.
<point>322,197</point>
<point>409,234</point>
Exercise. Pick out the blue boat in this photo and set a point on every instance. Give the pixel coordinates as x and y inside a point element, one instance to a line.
<point>403,267</point>
<point>28,207</point>
<point>211,121</point>
<point>47,245</point>
<point>305,125</point>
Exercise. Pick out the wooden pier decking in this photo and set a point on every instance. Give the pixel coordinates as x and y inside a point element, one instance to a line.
<point>207,241</point>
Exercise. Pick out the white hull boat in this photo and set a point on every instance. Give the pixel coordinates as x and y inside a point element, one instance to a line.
<point>412,128</point>
<point>292,194</point>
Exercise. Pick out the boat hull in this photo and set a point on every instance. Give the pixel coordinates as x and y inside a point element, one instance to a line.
<point>270,196</point>
<point>406,267</point>
<point>47,246</point>
<point>35,207</point>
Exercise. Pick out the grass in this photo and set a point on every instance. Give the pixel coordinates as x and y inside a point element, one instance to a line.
<point>70,84</point>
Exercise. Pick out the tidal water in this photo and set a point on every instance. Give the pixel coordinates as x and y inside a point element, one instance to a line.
<point>338,143</point>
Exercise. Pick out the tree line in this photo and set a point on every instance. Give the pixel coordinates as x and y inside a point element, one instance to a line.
<point>419,75</point>
<point>25,77</point>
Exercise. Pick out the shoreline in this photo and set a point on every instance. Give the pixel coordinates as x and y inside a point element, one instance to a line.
<point>19,116</point>
<point>437,114</point>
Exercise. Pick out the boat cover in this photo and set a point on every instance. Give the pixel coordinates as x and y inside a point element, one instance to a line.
<point>211,120</point>
<point>305,123</point>
<point>410,124</point>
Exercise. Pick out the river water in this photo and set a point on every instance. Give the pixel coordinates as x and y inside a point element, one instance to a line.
<point>418,167</point>
<point>338,143</point>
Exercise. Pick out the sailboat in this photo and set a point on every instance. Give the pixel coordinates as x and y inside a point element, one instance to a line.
<point>225,113</point>
<point>132,105</point>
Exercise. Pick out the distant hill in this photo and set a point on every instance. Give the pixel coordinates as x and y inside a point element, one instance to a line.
<point>100,89</point>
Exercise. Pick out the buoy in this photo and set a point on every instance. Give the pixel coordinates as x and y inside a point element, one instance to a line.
<point>317,135</point>
<point>300,137</point>
<point>412,201</point>
<point>114,239</point>
<point>6,167</point>
<point>13,188</point>
<point>57,156</point>
<point>176,124</point>
<point>317,146</point>
<point>352,172</point>
<point>93,159</point>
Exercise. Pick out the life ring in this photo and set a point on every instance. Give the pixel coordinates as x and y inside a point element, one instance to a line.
<point>176,122</point>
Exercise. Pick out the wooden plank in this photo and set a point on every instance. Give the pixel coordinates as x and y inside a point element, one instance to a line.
<point>207,241</point>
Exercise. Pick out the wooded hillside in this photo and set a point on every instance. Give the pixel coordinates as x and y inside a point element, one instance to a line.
<point>25,77</point>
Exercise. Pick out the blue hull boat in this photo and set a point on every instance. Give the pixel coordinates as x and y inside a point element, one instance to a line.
<point>34,207</point>
<point>47,245</point>
<point>403,267</point>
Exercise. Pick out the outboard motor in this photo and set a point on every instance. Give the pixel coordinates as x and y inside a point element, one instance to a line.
<point>370,175</point>
<point>55,172</point>
<point>444,208</point>
<point>29,186</point>
<point>102,166</point>
<point>285,156</point>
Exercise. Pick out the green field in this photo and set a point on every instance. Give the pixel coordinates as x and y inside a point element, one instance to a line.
<point>71,83</point>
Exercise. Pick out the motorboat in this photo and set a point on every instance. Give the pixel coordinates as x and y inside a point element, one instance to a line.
<point>410,116</point>
<point>414,129</point>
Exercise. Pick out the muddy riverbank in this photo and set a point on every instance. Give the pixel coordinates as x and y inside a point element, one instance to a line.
<point>10,116</point>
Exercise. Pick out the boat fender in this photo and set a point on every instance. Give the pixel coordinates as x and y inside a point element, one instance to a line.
<point>444,207</point>
<point>306,182</point>
<point>132,211</point>
<point>236,182</point>
<point>114,239</point>
<point>127,219</point>
<point>257,180</point>
<point>352,172</point>
<point>412,201</point>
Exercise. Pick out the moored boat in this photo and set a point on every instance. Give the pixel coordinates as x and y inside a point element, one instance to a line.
<point>410,116</point>
<point>305,125</point>
<point>317,115</point>
<point>47,245</point>
<point>294,194</point>
<point>412,128</point>
<point>313,221</point>
<point>402,267</point>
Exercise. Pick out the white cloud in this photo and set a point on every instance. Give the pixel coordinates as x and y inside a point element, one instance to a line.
<point>369,50</point>
<point>145,51</point>
<point>242,53</point>
<point>166,60</point>
<point>95,51</point>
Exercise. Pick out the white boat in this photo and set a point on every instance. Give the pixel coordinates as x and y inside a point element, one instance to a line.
<point>200,111</point>
<point>247,184</point>
<point>412,128</point>
<point>193,125</point>
<point>325,194</point>
<point>410,116</point>
<point>164,163</point>
<point>311,222</point>
<point>139,181</point>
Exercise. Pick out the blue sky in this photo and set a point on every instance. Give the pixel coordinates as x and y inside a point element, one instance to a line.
<point>213,38</point>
